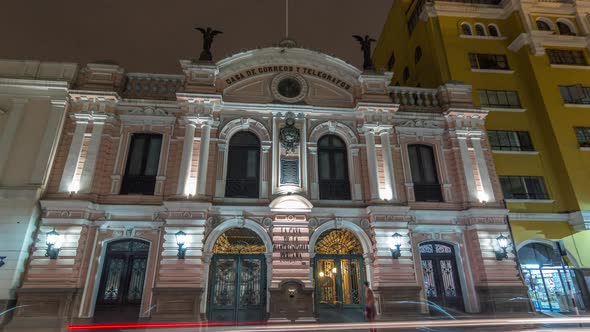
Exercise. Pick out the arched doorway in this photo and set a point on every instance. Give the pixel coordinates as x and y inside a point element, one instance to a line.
<point>440,275</point>
<point>122,281</point>
<point>339,276</point>
<point>237,282</point>
<point>549,282</point>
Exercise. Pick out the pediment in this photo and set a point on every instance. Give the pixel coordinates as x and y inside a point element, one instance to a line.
<point>253,76</point>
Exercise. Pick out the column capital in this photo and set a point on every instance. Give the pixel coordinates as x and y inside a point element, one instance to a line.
<point>375,128</point>
<point>312,149</point>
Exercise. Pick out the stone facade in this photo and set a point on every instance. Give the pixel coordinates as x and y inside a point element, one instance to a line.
<point>198,118</point>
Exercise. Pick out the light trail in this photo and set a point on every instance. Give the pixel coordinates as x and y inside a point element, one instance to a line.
<point>272,327</point>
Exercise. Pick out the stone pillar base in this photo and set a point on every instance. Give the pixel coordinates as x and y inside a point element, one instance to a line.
<point>503,299</point>
<point>176,304</point>
<point>399,302</point>
<point>291,302</point>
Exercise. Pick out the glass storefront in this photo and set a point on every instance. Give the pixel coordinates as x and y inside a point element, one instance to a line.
<point>551,283</point>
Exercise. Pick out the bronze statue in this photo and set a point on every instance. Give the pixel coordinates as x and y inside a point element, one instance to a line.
<point>208,35</point>
<point>366,48</point>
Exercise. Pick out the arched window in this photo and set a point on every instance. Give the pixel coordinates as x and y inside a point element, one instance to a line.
<point>391,61</point>
<point>424,175</point>
<point>466,29</point>
<point>142,164</point>
<point>417,54</point>
<point>564,29</point>
<point>480,30</point>
<point>406,74</point>
<point>243,166</point>
<point>493,30</point>
<point>333,168</point>
<point>543,26</point>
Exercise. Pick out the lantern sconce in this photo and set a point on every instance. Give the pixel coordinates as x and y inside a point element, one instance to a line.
<point>503,244</point>
<point>2,258</point>
<point>396,243</point>
<point>181,241</point>
<point>53,242</point>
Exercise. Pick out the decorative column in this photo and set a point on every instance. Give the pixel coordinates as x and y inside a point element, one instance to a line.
<point>92,153</point>
<point>372,164</point>
<point>467,167</point>
<point>303,154</point>
<point>388,165</point>
<point>313,162</point>
<point>203,158</point>
<point>187,158</point>
<point>264,171</point>
<point>354,166</point>
<point>49,142</point>
<point>484,174</point>
<point>74,154</point>
<point>15,116</point>
<point>275,153</point>
<point>220,172</point>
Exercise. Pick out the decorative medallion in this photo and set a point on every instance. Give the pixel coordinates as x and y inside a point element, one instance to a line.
<point>289,87</point>
<point>365,224</point>
<point>313,223</point>
<point>267,222</point>
<point>289,134</point>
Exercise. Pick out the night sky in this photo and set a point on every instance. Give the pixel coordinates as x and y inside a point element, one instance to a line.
<point>152,35</point>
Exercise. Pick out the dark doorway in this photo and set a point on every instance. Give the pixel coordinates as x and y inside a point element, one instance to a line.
<point>441,277</point>
<point>122,281</point>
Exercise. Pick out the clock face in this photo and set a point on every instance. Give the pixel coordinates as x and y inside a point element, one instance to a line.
<point>289,87</point>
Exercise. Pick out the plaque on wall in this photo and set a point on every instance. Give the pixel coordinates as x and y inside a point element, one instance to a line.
<point>290,172</point>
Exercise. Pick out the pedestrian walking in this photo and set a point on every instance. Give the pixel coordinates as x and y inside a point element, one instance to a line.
<point>370,305</point>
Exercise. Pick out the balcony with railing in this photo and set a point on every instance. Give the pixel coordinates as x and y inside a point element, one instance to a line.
<point>427,192</point>
<point>407,96</point>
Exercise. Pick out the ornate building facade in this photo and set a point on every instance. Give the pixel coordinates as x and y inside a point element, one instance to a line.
<point>267,186</point>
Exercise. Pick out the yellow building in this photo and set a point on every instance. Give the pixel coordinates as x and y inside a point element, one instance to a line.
<point>529,66</point>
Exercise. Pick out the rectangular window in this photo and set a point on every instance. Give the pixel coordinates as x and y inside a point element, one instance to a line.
<point>502,140</point>
<point>575,94</point>
<point>499,98</point>
<point>142,164</point>
<point>523,187</point>
<point>488,61</point>
<point>583,136</point>
<point>566,57</point>
<point>415,16</point>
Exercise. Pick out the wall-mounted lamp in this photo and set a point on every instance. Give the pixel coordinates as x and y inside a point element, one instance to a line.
<point>180,241</point>
<point>2,258</point>
<point>396,243</point>
<point>503,244</point>
<point>53,242</point>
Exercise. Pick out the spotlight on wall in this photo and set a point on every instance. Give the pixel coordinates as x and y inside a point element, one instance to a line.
<point>53,241</point>
<point>396,243</point>
<point>181,241</point>
<point>2,258</point>
<point>483,197</point>
<point>503,244</point>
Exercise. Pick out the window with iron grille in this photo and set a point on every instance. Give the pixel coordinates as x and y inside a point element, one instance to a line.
<point>499,98</point>
<point>523,187</point>
<point>142,166</point>
<point>424,174</point>
<point>566,57</point>
<point>503,140</point>
<point>575,94</point>
<point>488,61</point>
<point>583,136</point>
<point>243,166</point>
<point>333,168</point>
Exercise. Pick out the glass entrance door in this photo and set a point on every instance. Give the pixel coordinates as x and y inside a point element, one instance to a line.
<point>441,278</point>
<point>237,288</point>
<point>339,287</point>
